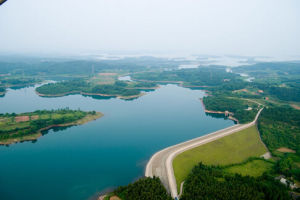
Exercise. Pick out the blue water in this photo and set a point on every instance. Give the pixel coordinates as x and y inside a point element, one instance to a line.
<point>81,161</point>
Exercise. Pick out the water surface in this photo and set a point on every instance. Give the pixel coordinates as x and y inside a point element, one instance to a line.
<point>78,162</point>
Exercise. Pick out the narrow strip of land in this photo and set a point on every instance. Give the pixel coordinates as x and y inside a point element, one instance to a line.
<point>160,164</point>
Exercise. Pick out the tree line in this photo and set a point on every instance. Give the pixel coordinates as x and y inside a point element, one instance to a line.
<point>79,85</point>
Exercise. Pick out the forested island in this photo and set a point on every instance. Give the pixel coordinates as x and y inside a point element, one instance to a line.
<point>119,89</point>
<point>30,126</point>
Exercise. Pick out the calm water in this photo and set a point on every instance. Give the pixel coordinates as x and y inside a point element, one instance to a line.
<point>79,162</point>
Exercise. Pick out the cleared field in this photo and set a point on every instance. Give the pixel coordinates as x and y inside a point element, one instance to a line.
<point>231,149</point>
<point>104,78</point>
<point>252,168</point>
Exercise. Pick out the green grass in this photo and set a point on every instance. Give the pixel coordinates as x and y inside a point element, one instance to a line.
<point>104,79</point>
<point>231,149</point>
<point>252,168</point>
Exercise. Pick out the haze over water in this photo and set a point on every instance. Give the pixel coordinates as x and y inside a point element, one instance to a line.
<point>78,162</point>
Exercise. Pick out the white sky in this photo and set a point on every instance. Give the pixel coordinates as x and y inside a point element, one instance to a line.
<point>242,27</point>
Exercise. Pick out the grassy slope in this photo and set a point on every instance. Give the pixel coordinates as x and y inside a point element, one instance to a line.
<point>231,149</point>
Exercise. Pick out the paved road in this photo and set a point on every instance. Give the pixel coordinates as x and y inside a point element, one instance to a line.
<point>160,164</point>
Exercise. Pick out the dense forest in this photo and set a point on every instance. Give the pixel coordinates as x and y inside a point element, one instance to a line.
<point>118,88</point>
<point>288,165</point>
<point>145,188</point>
<point>279,79</point>
<point>280,127</point>
<point>209,183</point>
<point>204,76</point>
<point>271,71</point>
<point>238,107</point>
<point>282,92</point>
<point>17,81</point>
<point>143,85</point>
<point>77,86</point>
<point>63,87</point>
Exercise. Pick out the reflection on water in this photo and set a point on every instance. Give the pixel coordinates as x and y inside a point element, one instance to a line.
<point>147,90</point>
<point>20,87</point>
<point>219,115</point>
<point>248,79</point>
<point>196,88</point>
<point>100,97</point>
<point>125,78</point>
<point>55,129</point>
<point>188,66</point>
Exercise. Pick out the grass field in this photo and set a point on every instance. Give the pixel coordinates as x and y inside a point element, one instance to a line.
<point>231,149</point>
<point>104,78</point>
<point>252,168</point>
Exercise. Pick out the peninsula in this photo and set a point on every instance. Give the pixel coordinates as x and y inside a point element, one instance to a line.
<point>30,126</point>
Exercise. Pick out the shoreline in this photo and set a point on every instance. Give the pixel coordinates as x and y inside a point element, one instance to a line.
<point>230,114</point>
<point>37,134</point>
<point>144,88</point>
<point>89,94</point>
<point>180,83</point>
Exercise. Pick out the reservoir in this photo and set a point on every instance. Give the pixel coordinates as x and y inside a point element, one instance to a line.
<point>78,162</point>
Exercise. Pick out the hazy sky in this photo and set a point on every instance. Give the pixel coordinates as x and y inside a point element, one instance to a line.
<point>243,27</point>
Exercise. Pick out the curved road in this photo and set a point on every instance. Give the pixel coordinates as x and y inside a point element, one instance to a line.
<point>160,164</point>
